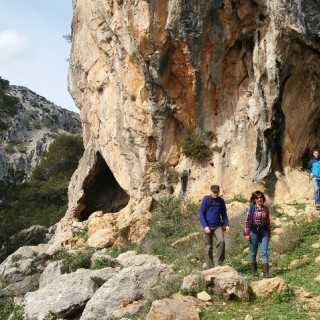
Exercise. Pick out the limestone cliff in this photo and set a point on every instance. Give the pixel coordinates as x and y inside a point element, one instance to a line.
<point>143,72</point>
<point>37,123</point>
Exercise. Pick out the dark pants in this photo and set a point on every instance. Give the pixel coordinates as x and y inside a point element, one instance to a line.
<point>220,247</point>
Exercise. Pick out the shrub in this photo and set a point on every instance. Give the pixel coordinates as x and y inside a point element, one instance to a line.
<point>9,148</point>
<point>156,168</point>
<point>173,176</point>
<point>170,221</point>
<point>133,57</point>
<point>8,104</point>
<point>115,250</point>
<point>103,263</point>
<point>195,146</point>
<point>10,308</point>
<point>79,259</point>
<point>36,124</point>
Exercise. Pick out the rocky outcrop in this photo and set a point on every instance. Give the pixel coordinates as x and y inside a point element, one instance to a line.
<point>32,129</point>
<point>46,290</point>
<point>28,237</point>
<point>226,282</point>
<point>244,74</point>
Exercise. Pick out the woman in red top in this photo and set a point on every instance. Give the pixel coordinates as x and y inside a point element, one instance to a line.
<point>257,229</point>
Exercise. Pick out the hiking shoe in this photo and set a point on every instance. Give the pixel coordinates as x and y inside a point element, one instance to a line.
<point>318,206</point>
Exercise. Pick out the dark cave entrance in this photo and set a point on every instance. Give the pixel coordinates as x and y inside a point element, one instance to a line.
<point>102,191</point>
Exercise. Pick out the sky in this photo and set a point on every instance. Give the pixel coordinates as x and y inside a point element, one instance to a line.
<point>33,51</point>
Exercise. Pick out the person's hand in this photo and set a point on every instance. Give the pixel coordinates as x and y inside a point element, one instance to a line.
<point>227,229</point>
<point>248,238</point>
<point>311,175</point>
<point>207,230</point>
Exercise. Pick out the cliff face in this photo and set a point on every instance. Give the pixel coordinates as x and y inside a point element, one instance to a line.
<point>32,129</point>
<point>246,73</point>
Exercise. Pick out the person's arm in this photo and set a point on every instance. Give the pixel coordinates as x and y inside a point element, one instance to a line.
<point>246,225</point>
<point>268,222</point>
<point>224,213</point>
<point>310,167</point>
<point>202,215</point>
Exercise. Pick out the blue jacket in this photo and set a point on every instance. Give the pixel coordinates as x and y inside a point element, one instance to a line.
<point>310,164</point>
<point>212,216</point>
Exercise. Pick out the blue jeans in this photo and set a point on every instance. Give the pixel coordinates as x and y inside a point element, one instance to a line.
<point>316,182</point>
<point>254,242</point>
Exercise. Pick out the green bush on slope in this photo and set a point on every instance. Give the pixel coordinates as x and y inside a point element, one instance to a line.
<point>43,200</point>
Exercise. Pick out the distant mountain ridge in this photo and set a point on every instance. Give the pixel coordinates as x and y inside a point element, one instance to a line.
<point>31,130</point>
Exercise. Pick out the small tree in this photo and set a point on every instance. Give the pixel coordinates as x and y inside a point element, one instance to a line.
<point>195,146</point>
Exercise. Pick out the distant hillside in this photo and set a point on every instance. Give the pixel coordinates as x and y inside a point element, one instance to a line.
<point>30,131</point>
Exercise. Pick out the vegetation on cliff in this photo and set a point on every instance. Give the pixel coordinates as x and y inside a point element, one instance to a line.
<point>43,199</point>
<point>8,104</point>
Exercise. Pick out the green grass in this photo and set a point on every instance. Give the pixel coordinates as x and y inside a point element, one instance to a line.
<point>10,308</point>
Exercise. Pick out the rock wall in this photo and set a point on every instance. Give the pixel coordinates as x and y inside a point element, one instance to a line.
<point>244,72</point>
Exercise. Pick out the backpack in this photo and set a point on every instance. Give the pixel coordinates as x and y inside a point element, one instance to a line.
<point>209,204</point>
<point>316,168</point>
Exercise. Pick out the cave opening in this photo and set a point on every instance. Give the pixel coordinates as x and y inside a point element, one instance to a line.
<point>102,192</point>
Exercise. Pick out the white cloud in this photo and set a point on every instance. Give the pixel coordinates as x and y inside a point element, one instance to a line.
<point>12,44</point>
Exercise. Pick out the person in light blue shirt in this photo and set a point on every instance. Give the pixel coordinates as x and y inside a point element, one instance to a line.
<point>214,220</point>
<point>314,172</point>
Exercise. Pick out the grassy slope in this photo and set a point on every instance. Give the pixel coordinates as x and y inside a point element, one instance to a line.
<point>291,254</point>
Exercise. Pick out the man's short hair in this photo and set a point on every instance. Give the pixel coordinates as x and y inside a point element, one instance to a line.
<point>215,188</point>
<point>315,150</point>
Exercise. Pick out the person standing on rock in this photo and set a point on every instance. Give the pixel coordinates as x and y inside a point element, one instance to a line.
<point>214,220</point>
<point>257,229</point>
<point>314,172</point>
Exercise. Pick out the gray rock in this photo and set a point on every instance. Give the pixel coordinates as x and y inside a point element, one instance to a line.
<point>192,281</point>
<point>20,260</point>
<point>52,271</point>
<point>65,295</point>
<point>226,282</point>
<point>20,288</point>
<point>131,284</point>
<point>130,258</point>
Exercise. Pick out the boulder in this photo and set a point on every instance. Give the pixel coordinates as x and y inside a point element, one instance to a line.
<point>204,296</point>
<point>168,309</point>
<point>102,238</point>
<point>130,258</point>
<point>28,237</point>
<point>65,295</point>
<point>264,287</point>
<point>25,261</point>
<point>134,283</point>
<point>226,282</point>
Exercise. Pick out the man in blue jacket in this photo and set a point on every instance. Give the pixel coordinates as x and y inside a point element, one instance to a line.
<point>213,218</point>
<point>314,171</point>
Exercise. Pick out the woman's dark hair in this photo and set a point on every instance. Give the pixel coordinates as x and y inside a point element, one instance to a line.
<point>255,195</point>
